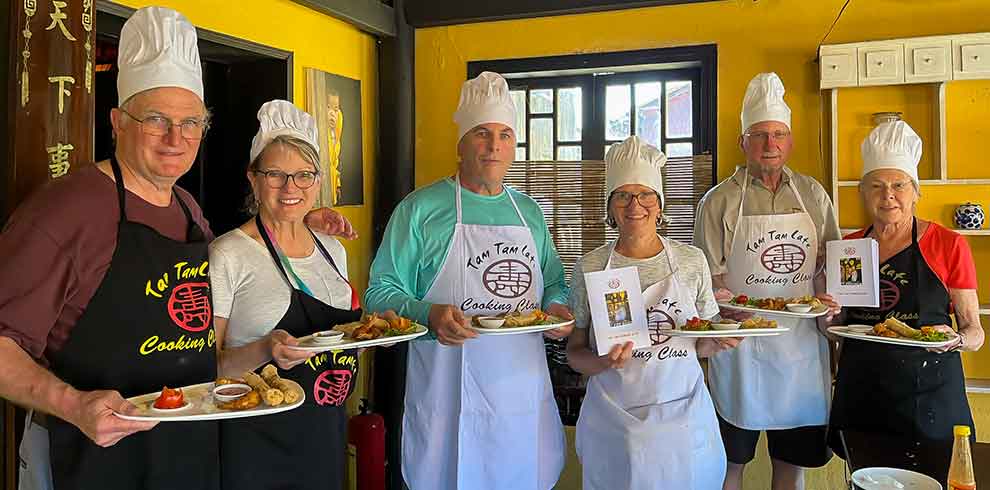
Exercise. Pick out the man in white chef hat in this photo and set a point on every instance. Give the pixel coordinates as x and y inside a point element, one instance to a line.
<point>479,410</point>
<point>763,231</point>
<point>105,287</point>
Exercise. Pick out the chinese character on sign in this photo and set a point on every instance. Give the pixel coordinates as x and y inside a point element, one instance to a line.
<point>57,17</point>
<point>58,155</point>
<point>62,91</point>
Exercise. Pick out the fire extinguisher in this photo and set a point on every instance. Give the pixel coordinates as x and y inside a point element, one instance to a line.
<point>366,432</point>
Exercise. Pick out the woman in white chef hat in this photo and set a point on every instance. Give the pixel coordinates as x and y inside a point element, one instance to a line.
<point>896,406</point>
<point>273,281</point>
<point>647,421</point>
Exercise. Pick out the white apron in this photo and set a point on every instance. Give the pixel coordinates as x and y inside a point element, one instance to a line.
<point>779,382</point>
<point>34,470</point>
<point>651,425</point>
<point>482,415</point>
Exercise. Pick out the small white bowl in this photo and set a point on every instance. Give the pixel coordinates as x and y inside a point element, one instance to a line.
<point>168,410</point>
<point>725,326</point>
<point>798,307</point>
<point>491,321</point>
<point>859,328</point>
<point>327,337</point>
<point>230,392</point>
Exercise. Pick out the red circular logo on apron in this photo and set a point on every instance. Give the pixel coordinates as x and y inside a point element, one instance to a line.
<point>189,306</point>
<point>783,258</point>
<point>656,320</point>
<point>890,294</point>
<point>508,278</point>
<point>331,387</point>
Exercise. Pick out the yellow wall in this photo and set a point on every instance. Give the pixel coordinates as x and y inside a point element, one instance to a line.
<point>752,36</point>
<point>316,41</point>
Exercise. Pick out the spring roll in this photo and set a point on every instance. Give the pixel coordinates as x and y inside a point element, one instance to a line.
<point>273,397</point>
<point>270,374</point>
<point>901,328</point>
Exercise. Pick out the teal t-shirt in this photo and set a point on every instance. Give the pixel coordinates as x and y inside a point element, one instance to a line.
<point>418,235</point>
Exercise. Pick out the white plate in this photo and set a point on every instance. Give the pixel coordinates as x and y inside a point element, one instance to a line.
<point>203,407</point>
<point>742,332</point>
<point>910,479</point>
<point>520,330</point>
<point>852,334</point>
<point>815,313</point>
<point>348,343</point>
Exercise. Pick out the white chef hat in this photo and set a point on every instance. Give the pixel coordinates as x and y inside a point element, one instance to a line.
<point>283,118</point>
<point>764,101</point>
<point>634,161</point>
<point>484,99</point>
<point>892,145</point>
<point>158,49</point>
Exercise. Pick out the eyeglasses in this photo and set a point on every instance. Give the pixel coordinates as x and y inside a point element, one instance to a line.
<point>190,129</point>
<point>763,135</point>
<point>276,179</point>
<point>884,187</point>
<point>646,199</point>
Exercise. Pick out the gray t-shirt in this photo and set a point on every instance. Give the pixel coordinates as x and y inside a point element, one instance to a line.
<point>251,293</point>
<point>692,274</point>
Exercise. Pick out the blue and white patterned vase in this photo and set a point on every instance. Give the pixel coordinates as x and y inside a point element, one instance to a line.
<point>970,216</point>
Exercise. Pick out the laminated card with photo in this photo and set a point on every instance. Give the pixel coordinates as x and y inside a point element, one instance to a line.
<point>852,272</point>
<point>618,314</point>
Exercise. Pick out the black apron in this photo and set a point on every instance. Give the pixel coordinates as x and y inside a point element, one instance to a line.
<point>303,448</point>
<point>894,405</point>
<point>149,324</point>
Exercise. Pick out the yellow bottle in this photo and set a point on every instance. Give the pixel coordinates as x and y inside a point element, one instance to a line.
<point>961,475</point>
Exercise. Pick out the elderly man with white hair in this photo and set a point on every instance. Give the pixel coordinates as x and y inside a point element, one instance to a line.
<point>764,231</point>
<point>647,421</point>
<point>104,290</point>
<point>927,273</point>
<point>479,411</point>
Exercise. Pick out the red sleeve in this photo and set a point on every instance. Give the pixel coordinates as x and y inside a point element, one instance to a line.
<point>949,256</point>
<point>856,234</point>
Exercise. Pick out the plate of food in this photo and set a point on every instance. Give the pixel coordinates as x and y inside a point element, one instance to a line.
<point>896,332</point>
<point>371,330</point>
<point>226,398</point>
<point>517,323</point>
<point>797,307</point>
<point>752,327</point>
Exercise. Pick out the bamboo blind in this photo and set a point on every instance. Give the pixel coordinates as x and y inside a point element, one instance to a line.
<point>572,196</point>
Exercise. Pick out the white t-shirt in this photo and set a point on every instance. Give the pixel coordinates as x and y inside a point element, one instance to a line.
<point>251,293</point>
<point>692,273</point>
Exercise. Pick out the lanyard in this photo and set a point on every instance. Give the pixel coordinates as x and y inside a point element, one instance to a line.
<point>355,301</point>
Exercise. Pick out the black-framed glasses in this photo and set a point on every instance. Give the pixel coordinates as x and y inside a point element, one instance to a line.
<point>646,199</point>
<point>276,179</point>
<point>155,125</point>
